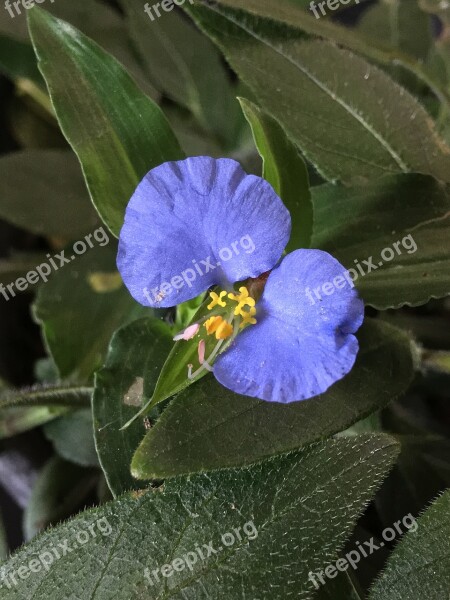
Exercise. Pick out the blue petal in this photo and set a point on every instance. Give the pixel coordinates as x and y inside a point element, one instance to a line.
<point>301,345</point>
<point>199,209</point>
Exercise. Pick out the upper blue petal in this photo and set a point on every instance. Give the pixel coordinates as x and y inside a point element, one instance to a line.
<point>300,345</point>
<point>199,209</point>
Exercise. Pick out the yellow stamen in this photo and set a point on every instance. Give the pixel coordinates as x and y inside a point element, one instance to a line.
<point>243,299</point>
<point>217,300</point>
<point>220,327</point>
<point>248,318</point>
<point>244,294</point>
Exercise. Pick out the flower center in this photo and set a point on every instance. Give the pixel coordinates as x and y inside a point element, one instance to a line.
<point>244,311</point>
<point>230,313</point>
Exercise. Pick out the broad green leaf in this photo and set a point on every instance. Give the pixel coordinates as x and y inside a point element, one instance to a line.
<point>370,222</point>
<point>43,191</point>
<point>295,17</point>
<point>184,65</point>
<point>419,566</point>
<point>348,117</point>
<point>285,170</point>
<point>135,357</point>
<point>80,307</point>
<point>208,427</point>
<point>297,509</point>
<point>59,490</point>
<point>117,132</point>
<point>24,409</point>
<point>72,436</point>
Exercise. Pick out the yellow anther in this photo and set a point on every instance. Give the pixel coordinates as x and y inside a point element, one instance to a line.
<point>217,300</point>
<point>239,310</point>
<point>224,331</point>
<point>220,327</point>
<point>243,294</point>
<point>243,299</point>
<point>248,317</point>
<point>212,324</point>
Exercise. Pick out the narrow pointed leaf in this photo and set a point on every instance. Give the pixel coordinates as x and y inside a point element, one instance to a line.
<point>118,133</point>
<point>285,170</point>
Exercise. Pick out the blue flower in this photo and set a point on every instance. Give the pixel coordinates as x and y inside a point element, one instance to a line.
<point>286,335</point>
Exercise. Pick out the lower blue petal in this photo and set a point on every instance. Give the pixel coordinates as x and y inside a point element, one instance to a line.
<point>303,341</point>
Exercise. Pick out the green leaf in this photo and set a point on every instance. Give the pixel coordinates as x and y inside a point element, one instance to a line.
<point>419,567</point>
<point>80,307</point>
<point>293,16</point>
<point>59,490</point>
<point>136,355</point>
<point>285,170</point>
<point>73,438</point>
<point>107,27</point>
<point>300,508</point>
<point>359,223</point>
<point>184,65</point>
<point>43,191</point>
<point>348,117</point>
<point>209,427</point>
<point>117,132</point>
